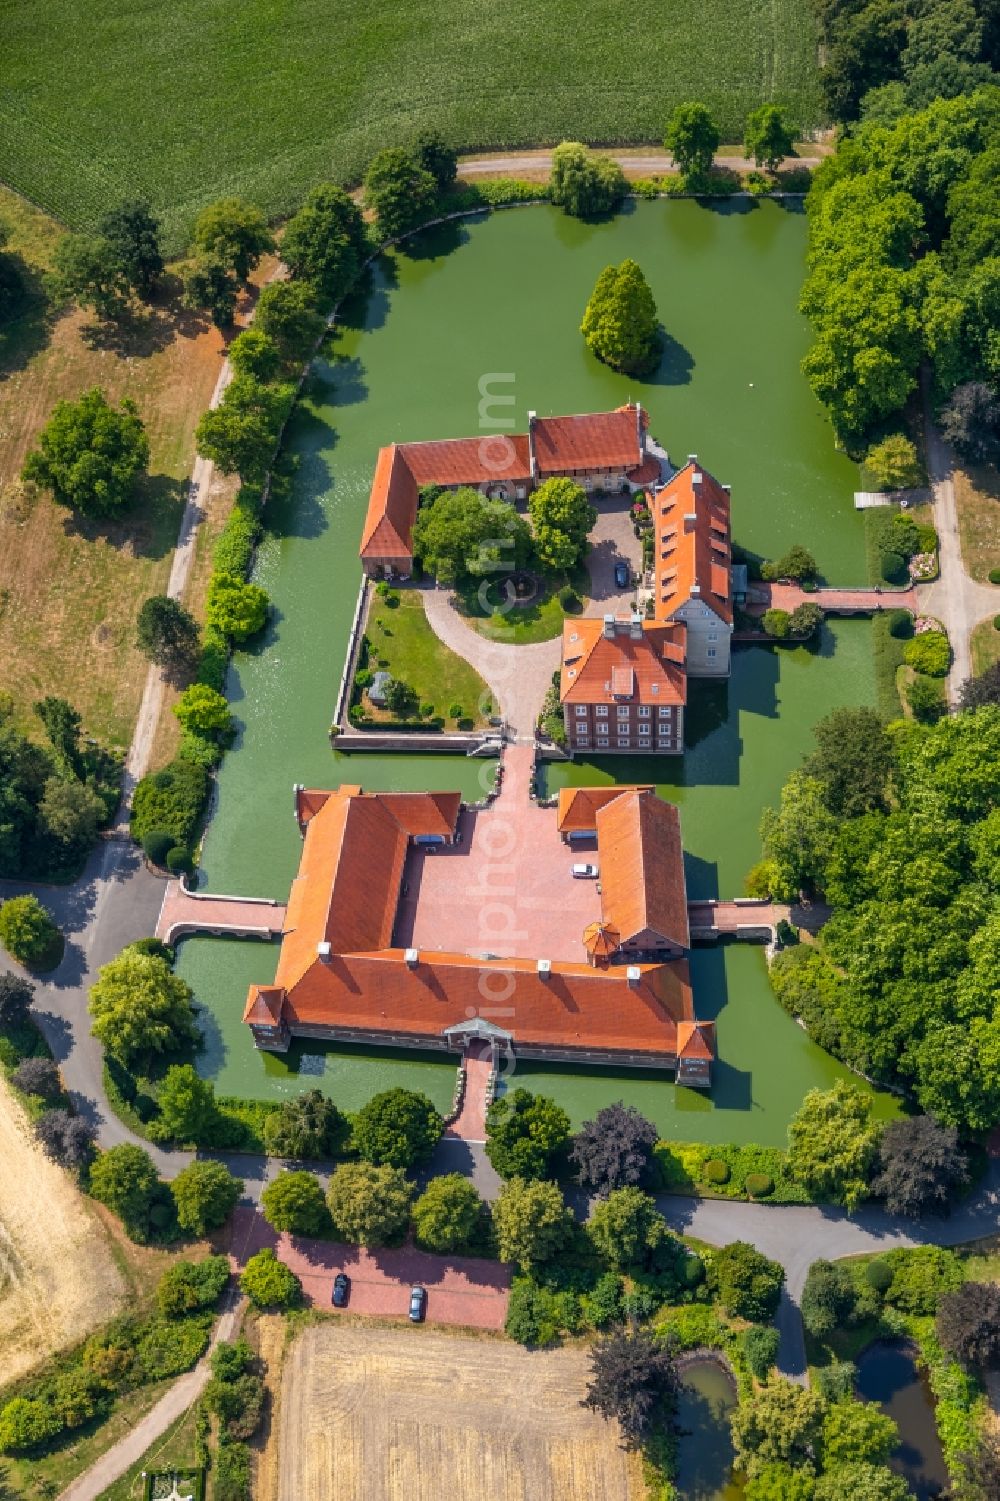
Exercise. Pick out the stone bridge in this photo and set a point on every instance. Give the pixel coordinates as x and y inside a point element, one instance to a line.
<point>751,917</point>
<point>763,597</point>
<point>185,912</point>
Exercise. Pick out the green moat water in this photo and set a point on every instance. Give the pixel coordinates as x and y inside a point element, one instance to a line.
<point>502,297</point>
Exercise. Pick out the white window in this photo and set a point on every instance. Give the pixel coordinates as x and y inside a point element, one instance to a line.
<point>583,739</point>
<point>602,711</point>
<point>643,739</point>
<point>663,713</point>
<point>710,652</point>
<point>581,711</point>
<point>644,711</point>
<point>623,740</point>
<point>602,739</point>
<point>623,711</point>
<point>713,635</point>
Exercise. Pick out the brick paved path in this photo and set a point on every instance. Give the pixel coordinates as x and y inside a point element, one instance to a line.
<point>183,913</point>
<point>833,601</point>
<point>470,1123</point>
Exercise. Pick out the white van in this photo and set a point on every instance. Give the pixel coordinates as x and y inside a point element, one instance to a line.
<point>582,872</point>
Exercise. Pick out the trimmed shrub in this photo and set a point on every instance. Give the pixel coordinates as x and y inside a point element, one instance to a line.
<point>214,659</point>
<point>900,624</point>
<point>156,846</point>
<point>777,623</point>
<point>179,861</point>
<point>28,933</point>
<point>994,575</point>
<point>878,1275</point>
<point>893,566</point>
<point>926,699</point>
<point>455,711</point>
<point>233,550</point>
<point>716,1171</point>
<point>268,1282</point>
<point>187,1286</point>
<point>568,598</point>
<point>759,1185</point>
<point>929,653</point>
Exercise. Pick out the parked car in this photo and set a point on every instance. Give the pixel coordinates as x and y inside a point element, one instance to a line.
<point>341,1290</point>
<point>584,872</point>
<point>621,575</point>
<point>418,1304</point>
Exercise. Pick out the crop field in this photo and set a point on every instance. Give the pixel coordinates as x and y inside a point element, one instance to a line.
<point>58,1279</point>
<point>385,1414</point>
<point>184,101</point>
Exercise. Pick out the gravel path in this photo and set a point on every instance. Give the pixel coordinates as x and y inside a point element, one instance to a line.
<point>645,164</point>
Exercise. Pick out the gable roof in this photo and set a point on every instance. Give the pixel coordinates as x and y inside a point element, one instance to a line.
<point>392,508</point>
<point>469,461</point>
<point>593,440</point>
<point>591,660</point>
<point>577,810</point>
<point>692,549</point>
<point>642,868</point>
<point>696,1040</point>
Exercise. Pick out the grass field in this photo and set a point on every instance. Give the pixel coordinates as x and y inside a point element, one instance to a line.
<point>985,644</point>
<point>373,1414</point>
<point>405,642</point>
<point>184,101</point>
<point>977,496</point>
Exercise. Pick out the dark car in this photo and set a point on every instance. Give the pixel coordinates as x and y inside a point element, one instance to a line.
<point>341,1290</point>
<point>418,1304</point>
<point>621,575</point>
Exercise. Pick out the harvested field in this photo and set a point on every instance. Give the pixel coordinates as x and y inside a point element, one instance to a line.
<point>380,1414</point>
<point>58,1278</point>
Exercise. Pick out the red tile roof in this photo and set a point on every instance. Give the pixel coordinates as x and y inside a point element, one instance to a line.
<point>469,461</point>
<point>595,440</point>
<point>577,811</point>
<point>590,660</point>
<point>696,1040</point>
<point>392,508</point>
<point>691,543</point>
<point>642,868</point>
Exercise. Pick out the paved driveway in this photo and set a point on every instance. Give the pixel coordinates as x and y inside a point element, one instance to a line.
<point>461,1290</point>
<point>612,541</point>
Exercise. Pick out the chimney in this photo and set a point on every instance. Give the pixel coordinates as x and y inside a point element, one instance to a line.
<point>411,956</point>
<point>609,627</point>
<point>728,489</point>
<point>633,975</point>
<point>635,628</point>
<point>690,520</point>
<point>533,461</point>
<point>696,478</point>
<point>544,968</point>
<point>324,953</point>
<point>692,458</point>
<point>695,588</point>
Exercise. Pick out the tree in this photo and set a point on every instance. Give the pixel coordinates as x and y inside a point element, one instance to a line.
<point>526,1134</point>
<point>237,609</point>
<point>692,139</point>
<point>976,693</point>
<point>780,1482</point>
<point>399,191</point>
<point>614,1150</point>
<point>926,698</point>
<point>747,1282</point>
<point>560,509</point>
<point>187,1105</point>
<point>777,623</point>
<point>37,1076</point>
<point>920,1166</point>
<point>447,1214</point>
<point>465,536</point>
<point>325,242</point>
<point>971,422</point>
<point>767,136</point>
<point>204,712</point>
<point>968,1323</point>
<point>797,563</point>
<point>760,1345</point>
<point>437,157</point>
<point>308,1125</point>
<point>139,1007</point>
<point>620,322</point>
<point>625,1227</point>
<point>828,1298</point>
<point>27,931</point>
<point>287,313</point>
<point>166,633</point>
<point>90,454</point>
<point>255,354</point>
<point>532,1222</point>
<point>831,1143</point>
<point>799,836</point>
<point>852,761</point>
<point>89,271</point>
<point>982,1469</point>
<point>235,233</point>
<point>209,282</point>
<point>893,464</point>
<point>124,1179</point>
<point>399,1126</point>
<point>67,1139</point>
<point>805,619</point>
<point>855,1431</point>
<point>62,724</point>
<point>268,1282</point>
<point>584,184</point>
<point>27,1423</point>
<point>133,232</point>
<point>294,1201</point>
<point>778,1425</point>
<point>71,812</point>
<point>369,1205</point>
<point>633,1381</point>
<point>16,996</point>
<point>241,433</point>
<point>205,1195</point>
<point>187,1286</point>
<point>861,1482</point>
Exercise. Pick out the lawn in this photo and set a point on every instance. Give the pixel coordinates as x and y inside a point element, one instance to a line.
<point>70,590</point>
<point>174,1449</point>
<point>538,620</point>
<point>977,495</point>
<point>985,644</point>
<point>183,101</point>
<point>407,647</point>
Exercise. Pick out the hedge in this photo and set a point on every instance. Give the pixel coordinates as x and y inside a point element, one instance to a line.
<point>170,800</point>
<point>681,1167</point>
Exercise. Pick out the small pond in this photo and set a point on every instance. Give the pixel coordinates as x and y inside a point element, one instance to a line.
<point>888,1375</point>
<point>705,1451</point>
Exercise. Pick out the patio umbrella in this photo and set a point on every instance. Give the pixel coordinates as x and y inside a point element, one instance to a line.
<point>601,939</point>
